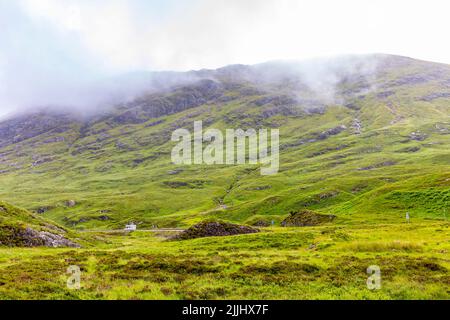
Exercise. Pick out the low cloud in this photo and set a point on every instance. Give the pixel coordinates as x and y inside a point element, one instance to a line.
<point>70,53</point>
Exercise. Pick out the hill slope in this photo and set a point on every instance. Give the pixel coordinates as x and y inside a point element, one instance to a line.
<point>19,228</point>
<point>365,138</point>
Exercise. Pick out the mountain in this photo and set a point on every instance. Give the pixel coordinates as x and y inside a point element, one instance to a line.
<point>364,138</point>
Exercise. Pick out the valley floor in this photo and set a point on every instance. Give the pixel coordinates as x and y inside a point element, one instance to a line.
<point>327,262</point>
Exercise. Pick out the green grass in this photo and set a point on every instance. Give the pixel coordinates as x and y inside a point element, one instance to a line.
<point>327,262</point>
<point>324,176</point>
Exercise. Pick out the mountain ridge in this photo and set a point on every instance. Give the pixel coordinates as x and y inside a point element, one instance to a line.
<point>382,130</point>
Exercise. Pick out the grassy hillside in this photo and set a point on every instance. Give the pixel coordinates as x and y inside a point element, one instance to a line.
<point>389,154</point>
<point>365,146</point>
<point>20,228</point>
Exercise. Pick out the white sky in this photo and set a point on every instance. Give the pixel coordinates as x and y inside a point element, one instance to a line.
<point>47,46</point>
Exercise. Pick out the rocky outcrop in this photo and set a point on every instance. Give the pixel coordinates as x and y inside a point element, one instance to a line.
<point>331,132</point>
<point>275,100</point>
<point>31,125</point>
<point>306,218</point>
<point>20,228</point>
<point>71,203</point>
<point>378,165</point>
<point>177,100</point>
<point>214,229</point>
<point>357,126</point>
<point>417,136</point>
<point>436,95</point>
<point>15,236</point>
<point>261,223</point>
<point>385,94</point>
<point>42,210</point>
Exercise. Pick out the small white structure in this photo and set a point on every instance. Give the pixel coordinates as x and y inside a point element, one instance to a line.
<point>130,227</point>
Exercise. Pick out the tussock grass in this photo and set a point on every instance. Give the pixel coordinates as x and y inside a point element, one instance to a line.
<point>378,246</point>
<point>326,262</point>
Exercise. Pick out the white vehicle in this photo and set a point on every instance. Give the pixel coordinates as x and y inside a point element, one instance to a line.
<point>130,227</point>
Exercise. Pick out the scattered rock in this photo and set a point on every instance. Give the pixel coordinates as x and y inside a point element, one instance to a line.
<point>385,94</point>
<point>412,79</point>
<point>287,111</point>
<point>213,229</point>
<point>259,188</point>
<point>192,184</point>
<point>275,100</point>
<point>55,228</point>
<point>352,106</point>
<point>261,223</point>
<point>410,149</point>
<point>417,136</point>
<point>54,139</point>
<point>443,128</point>
<point>436,95</point>
<point>378,165</point>
<point>71,203</point>
<point>327,195</point>
<point>332,132</point>
<point>42,210</point>
<point>327,150</point>
<point>357,126</point>
<point>306,218</point>
<point>40,161</point>
<point>176,171</point>
<point>154,123</point>
<point>122,146</point>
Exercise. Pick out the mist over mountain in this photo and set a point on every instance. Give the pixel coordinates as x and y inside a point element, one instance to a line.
<point>319,80</point>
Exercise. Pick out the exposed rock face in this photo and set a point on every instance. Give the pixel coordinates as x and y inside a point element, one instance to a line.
<point>385,94</point>
<point>180,99</point>
<point>357,126</point>
<point>332,132</point>
<point>306,218</point>
<point>378,165</point>
<point>26,127</point>
<point>42,210</point>
<point>14,236</point>
<point>417,136</point>
<point>276,100</point>
<point>261,223</point>
<point>412,79</point>
<point>211,229</point>
<point>435,95</point>
<point>410,149</point>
